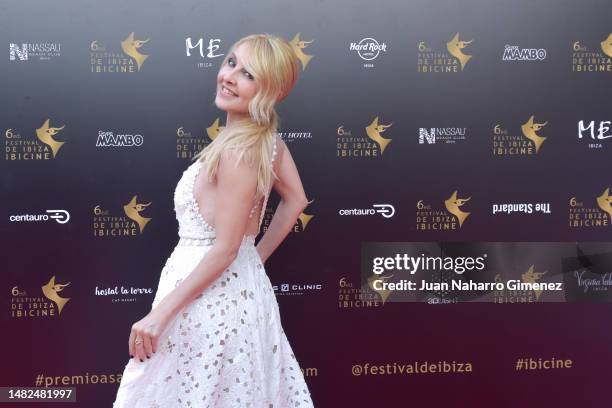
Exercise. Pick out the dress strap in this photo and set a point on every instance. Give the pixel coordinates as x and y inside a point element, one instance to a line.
<point>263,207</point>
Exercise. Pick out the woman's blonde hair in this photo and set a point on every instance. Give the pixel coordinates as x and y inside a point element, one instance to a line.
<point>274,65</point>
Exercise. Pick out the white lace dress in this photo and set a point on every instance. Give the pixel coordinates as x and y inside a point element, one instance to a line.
<point>225,349</point>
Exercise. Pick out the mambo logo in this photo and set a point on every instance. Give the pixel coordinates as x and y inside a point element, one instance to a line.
<point>386,210</point>
<point>61,216</point>
<point>403,262</point>
<point>109,139</point>
<point>514,53</point>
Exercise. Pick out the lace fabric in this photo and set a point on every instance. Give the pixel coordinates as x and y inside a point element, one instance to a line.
<point>227,348</point>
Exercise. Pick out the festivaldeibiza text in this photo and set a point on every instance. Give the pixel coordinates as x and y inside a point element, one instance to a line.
<point>469,285</point>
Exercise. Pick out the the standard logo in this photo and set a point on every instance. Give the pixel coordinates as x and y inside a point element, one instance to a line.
<point>129,61</point>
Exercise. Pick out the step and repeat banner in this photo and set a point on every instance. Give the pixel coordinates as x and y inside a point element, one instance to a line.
<point>457,248</point>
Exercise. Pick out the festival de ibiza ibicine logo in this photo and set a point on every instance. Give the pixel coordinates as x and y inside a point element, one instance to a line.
<point>188,144</point>
<point>41,144</point>
<point>594,213</point>
<point>130,223</point>
<point>354,144</point>
<point>592,58</point>
<point>449,216</point>
<point>110,60</point>
<point>451,59</point>
<point>47,301</point>
<point>509,143</point>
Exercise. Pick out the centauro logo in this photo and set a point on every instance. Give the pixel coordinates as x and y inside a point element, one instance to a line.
<point>451,218</point>
<point>45,134</point>
<point>51,291</point>
<point>298,46</point>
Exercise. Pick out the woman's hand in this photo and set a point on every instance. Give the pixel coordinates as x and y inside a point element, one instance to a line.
<point>145,334</point>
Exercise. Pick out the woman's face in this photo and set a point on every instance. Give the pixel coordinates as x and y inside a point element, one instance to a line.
<point>242,86</point>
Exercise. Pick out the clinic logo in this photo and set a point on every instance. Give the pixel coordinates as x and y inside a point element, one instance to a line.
<point>454,59</point>
<point>384,210</point>
<point>368,50</point>
<point>372,144</point>
<point>130,60</point>
<point>48,303</point>
<point>42,51</point>
<point>59,216</point>
<point>298,46</point>
<point>508,295</point>
<point>110,139</point>
<point>297,289</point>
<point>515,53</point>
<point>595,132</point>
<point>44,147</point>
<point>448,218</point>
<point>206,53</point>
<point>585,216</point>
<point>529,142</point>
<point>351,296</point>
<point>130,223</point>
<point>446,135</point>
<point>598,60</point>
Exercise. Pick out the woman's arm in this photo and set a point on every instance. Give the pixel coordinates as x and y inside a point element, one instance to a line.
<point>236,187</point>
<point>293,201</point>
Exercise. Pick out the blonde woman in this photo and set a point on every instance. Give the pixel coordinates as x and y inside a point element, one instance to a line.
<point>213,337</point>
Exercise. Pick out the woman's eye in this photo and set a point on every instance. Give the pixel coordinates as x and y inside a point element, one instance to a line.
<point>248,75</point>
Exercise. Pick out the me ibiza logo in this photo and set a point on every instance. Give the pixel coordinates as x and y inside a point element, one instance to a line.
<point>594,131</point>
<point>212,50</point>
